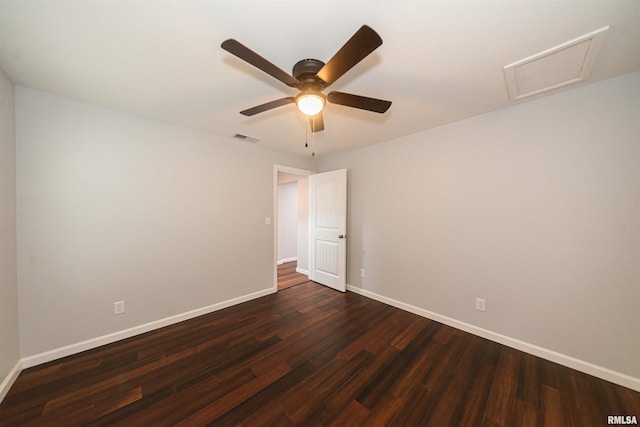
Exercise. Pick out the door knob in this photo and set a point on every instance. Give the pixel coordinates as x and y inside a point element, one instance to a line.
<point>342,236</point>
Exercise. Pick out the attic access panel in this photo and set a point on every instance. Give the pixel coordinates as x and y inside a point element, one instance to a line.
<point>562,65</point>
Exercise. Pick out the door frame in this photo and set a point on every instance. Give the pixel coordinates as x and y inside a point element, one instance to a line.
<point>276,169</point>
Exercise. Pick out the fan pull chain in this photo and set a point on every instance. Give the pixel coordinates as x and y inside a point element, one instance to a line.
<point>306,137</point>
<point>313,136</point>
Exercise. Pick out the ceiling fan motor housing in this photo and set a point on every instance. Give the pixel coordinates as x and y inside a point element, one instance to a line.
<point>305,71</point>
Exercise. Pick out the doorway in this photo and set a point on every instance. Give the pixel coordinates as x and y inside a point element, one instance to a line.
<point>320,224</point>
<point>291,233</point>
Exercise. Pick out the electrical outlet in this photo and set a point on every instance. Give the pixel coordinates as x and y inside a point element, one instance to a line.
<point>481,304</point>
<point>362,272</point>
<point>118,307</point>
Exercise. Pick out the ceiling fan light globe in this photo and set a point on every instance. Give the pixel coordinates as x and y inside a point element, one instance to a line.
<point>310,104</point>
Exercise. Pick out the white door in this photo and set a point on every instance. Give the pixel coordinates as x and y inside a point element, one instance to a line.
<point>328,229</point>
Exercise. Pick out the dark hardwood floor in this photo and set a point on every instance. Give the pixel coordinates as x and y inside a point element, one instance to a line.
<point>288,276</point>
<point>310,356</point>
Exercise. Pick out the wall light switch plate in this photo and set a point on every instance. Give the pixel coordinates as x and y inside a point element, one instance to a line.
<point>118,307</point>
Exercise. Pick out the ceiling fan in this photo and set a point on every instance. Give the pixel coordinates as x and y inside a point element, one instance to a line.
<point>311,77</point>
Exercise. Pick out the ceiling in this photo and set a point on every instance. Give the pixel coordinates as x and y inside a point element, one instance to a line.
<point>441,61</point>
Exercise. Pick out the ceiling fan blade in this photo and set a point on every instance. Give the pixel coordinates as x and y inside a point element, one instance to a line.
<point>361,44</point>
<point>357,101</point>
<point>317,122</point>
<point>246,54</point>
<point>268,106</point>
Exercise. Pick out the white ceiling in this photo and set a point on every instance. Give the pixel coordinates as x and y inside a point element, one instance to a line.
<point>441,61</point>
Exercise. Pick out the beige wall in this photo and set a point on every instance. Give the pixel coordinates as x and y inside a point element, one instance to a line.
<point>116,207</point>
<point>303,225</point>
<point>535,208</point>
<point>287,221</point>
<point>9,346</point>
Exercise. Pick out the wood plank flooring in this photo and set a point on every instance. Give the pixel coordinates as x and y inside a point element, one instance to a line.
<point>310,356</point>
<point>288,276</point>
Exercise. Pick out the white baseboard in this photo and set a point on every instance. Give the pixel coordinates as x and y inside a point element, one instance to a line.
<point>285,260</point>
<point>8,381</point>
<point>302,271</point>
<point>68,350</point>
<point>562,359</point>
<point>571,362</point>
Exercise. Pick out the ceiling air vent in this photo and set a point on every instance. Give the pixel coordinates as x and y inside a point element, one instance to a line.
<point>245,138</point>
<point>562,65</point>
